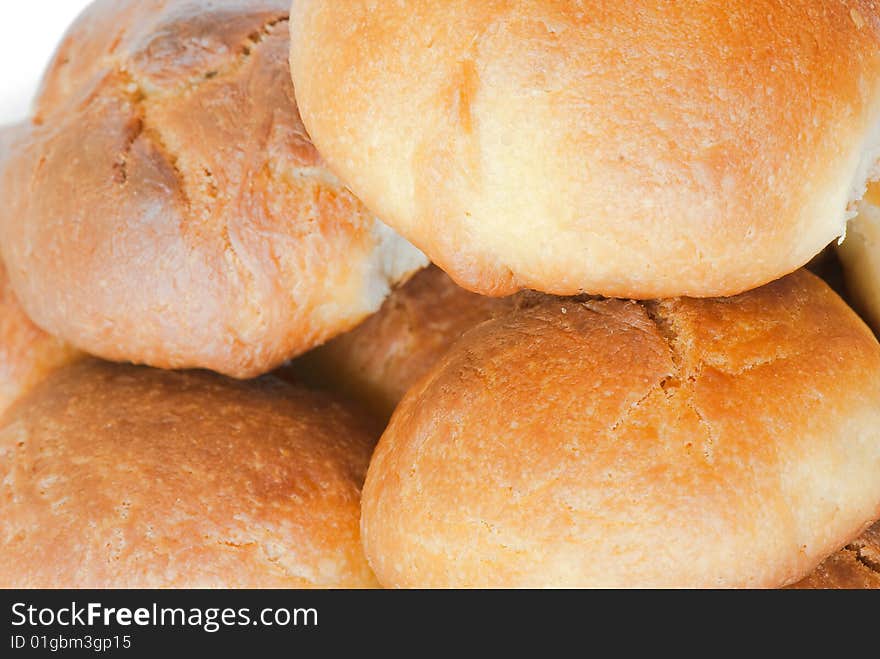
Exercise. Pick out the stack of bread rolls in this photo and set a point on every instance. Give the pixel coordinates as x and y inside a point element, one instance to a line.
<point>445,295</point>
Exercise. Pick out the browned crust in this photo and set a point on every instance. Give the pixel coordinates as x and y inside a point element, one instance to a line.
<point>166,205</point>
<point>683,443</point>
<point>119,476</point>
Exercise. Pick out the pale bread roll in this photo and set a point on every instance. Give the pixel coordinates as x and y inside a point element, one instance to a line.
<point>641,149</point>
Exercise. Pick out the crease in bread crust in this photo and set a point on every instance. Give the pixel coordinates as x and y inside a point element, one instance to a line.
<point>262,253</point>
<point>619,459</point>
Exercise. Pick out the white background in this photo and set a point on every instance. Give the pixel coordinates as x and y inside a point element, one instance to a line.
<point>30,30</point>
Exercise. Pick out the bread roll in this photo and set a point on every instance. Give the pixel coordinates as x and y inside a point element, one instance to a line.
<point>860,256</point>
<point>629,149</point>
<point>718,443</point>
<point>166,206</point>
<point>27,354</point>
<point>378,361</point>
<point>118,476</point>
<point>855,567</point>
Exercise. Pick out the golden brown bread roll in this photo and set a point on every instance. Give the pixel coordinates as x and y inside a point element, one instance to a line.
<point>606,443</point>
<point>628,149</point>
<point>855,567</point>
<point>166,206</point>
<point>121,476</point>
<point>378,361</point>
<point>860,256</point>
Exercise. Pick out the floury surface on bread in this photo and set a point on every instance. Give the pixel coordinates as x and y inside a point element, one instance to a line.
<point>640,149</point>
<point>606,443</point>
<point>165,205</point>
<point>116,476</point>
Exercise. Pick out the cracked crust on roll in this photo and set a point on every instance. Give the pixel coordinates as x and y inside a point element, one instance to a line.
<point>166,206</point>
<point>607,443</point>
<point>128,477</point>
<point>377,362</point>
<point>640,149</point>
